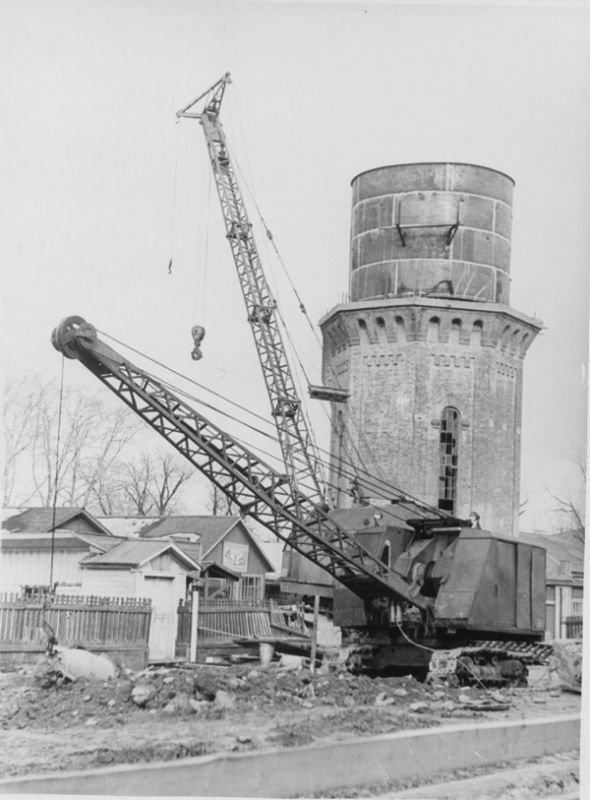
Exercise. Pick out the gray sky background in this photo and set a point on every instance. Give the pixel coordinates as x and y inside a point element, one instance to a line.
<point>101,187</point>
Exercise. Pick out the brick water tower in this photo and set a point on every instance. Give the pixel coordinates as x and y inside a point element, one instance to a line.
<point>428,348</point>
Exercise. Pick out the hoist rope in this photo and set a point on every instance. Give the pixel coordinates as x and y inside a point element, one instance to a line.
<point>56,479</point>
<point>203,301</point>
<point>46,627</point>
<point>270,237</point>
<point>174,182</point>
<point>189,380</point>
<point>379,486</point>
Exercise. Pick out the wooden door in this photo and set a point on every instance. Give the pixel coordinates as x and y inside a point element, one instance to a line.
<point>164,621</point>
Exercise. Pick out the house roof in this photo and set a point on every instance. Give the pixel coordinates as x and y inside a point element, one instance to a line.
<point>216,570</point>
<point>211,531</point>
<point>99,541</point>
<point>192,549</point>
<point>135,553</point>
<point>40,520</point>
<point>61,540</point>
<point>565,553</point>
<point>128,526</point>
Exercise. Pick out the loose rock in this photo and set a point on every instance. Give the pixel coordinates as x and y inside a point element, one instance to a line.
<point>224,699</point>
<point>141,694</point>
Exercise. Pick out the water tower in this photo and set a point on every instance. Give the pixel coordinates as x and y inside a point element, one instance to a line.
<point>428,348</point>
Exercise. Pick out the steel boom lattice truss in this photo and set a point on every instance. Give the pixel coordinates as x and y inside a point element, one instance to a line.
<point>260,491</point>
<point>299,451</point>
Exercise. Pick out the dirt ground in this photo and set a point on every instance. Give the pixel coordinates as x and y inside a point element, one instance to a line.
<point>167,713</point>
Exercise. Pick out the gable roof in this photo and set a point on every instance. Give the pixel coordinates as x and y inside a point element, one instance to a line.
<point>61,540</point>
<point>134,553</point>
<point>560,548</point>
<point>127,526</point>
<point>40,520</point>
<point>211,530</point>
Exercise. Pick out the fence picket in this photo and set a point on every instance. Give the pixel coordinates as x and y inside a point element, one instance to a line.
<point>91,621</point>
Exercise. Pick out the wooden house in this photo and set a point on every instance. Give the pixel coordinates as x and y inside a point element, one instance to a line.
<point>226,548</point>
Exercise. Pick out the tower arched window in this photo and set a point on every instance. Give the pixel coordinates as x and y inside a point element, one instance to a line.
<point>455,332</point>
<point>476,332</point>
<point>363,333</point>
<point>400,329</point>
<point>433,329</point>
<point>381,333</point>
<point>450,425</point>
<point>386,554</point>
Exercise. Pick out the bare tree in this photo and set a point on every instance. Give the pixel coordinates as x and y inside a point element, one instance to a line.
<point>219,504</point>
<point>150,486</point>
<point>18,413</point>
<point>42,469</point>
<point>570,509</point>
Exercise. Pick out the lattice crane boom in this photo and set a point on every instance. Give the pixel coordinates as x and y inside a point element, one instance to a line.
<point>298,447</point>
<point>256,488</point>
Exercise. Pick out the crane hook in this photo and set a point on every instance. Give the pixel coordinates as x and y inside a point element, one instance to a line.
<point>198,334</point>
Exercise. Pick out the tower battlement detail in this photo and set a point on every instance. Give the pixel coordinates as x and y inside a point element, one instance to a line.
<point>428,348</point>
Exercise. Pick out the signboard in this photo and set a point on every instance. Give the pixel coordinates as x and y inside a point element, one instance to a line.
<point>235,556</point>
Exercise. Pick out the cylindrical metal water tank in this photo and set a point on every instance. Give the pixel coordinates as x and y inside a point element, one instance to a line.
<point>432,230</point>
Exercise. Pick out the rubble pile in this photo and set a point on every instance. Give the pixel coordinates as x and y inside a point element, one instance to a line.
<point>173,712</point>
<point>45,697</point>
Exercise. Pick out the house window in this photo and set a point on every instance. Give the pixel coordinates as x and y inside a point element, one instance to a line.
<point>449,459</point>
<point>577,601</point>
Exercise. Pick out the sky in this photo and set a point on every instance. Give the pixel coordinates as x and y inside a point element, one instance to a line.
<point>102,185</point>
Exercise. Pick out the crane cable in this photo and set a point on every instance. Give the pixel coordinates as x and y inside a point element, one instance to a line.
<point>56,483</point>
<point>378,485</point>
<point>173,214</point>
<point>303,310</point>
<point>52,640</point>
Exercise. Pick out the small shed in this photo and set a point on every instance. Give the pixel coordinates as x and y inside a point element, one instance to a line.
<point>156,569</point>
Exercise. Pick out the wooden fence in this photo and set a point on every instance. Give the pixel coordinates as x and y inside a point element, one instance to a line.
<point>221,622</point>
<point>118,625</point>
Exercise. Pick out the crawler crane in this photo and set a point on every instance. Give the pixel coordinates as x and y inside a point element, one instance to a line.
<point>445,587</point>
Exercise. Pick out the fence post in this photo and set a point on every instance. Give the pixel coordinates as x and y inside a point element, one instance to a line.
<point>314,632</point>
<point>194,622</point>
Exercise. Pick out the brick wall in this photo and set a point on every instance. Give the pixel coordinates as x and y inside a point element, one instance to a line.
<point>403,361</point>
